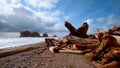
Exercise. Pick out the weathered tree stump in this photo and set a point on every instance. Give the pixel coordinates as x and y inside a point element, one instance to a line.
<point>80,32</point>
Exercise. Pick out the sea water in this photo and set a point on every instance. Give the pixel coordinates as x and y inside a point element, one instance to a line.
<point>8,40</point>
<point>14,42</point>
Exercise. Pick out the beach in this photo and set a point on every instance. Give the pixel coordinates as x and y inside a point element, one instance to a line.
<point>38,56</point>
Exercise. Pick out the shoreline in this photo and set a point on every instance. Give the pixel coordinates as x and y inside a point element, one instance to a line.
<point>9,48</point>
<point>40,57</point>
<point>18,49</point>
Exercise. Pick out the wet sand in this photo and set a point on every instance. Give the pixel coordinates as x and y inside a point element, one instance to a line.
<point>40,57</point>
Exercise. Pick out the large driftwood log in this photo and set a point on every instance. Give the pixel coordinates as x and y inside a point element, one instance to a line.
<point>80,32</point>
<point>113,31</point>
<point>71,44</point>
<point>113,64</point>
<point>107,52</point>
<point>82,43</point>
<point>8,52</point>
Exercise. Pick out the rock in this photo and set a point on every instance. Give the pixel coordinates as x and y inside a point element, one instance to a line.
<point>54,35</point>
<point>45,35</point>
<point>25,34</point>
<point>29,34</point>
<point>35,34</point>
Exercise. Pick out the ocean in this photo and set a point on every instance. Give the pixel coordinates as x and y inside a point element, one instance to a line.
<point>15,42</point>
<point>12,39</point>
<point>9,40</point>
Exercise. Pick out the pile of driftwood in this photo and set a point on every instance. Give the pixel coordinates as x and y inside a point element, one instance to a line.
<point>71,44</point>
<point>101,48</point>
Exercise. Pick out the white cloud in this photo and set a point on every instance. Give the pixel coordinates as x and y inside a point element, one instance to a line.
<point>15,1</point>
<point>108,22</point>
<point>55,13</point>
<point>101,19</point>
<point>92,26</point>
<point>45,4</point>
<point>89,21</point>
<point>67,17</point>
<point>103,23</point>
<point>16,16</point>
<point>5,8</point>
<point>113,20</point>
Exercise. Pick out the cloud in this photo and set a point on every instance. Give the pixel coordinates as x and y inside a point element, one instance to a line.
<point>113,20</point>
<point>45,4</point>
<point>92,25</point>
<point>89,21</point>
<point>5,9</point>
<point>67,17</point>
<point>103,23</point>
<point>108,22</point>
<point>101,19</point>
<point>21,17</point>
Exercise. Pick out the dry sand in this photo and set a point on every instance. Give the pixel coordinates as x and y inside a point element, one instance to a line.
<point>41,57</point>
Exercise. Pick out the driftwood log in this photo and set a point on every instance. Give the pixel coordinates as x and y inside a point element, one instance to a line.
<point>104,55</point>
<point>71,44</point>
<point>80,32</point>
<point>113,31</point>
<point>16,50</point>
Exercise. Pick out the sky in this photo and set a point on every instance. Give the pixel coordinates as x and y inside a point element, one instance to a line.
<point>49,15</point>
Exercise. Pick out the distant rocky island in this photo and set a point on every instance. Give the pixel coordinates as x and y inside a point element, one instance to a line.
<point>33,34</point>
<point>29,34</point>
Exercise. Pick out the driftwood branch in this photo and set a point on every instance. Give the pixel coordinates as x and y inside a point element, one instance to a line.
<point>57,50</point>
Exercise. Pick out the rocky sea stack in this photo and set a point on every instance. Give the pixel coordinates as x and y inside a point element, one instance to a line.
<point>29,34</point>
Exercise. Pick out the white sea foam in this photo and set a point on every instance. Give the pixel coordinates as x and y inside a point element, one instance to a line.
<point>14,42</point>
<point>12,39</point>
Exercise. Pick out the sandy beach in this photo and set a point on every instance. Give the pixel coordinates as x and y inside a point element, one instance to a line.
<point>40,57</point>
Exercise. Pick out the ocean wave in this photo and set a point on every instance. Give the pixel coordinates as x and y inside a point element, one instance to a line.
<point>15,42</point>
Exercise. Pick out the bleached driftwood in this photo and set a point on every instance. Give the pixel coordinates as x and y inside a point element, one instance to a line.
<point>117,38</point>
<point>71,44</point>
<point>65,50</point>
